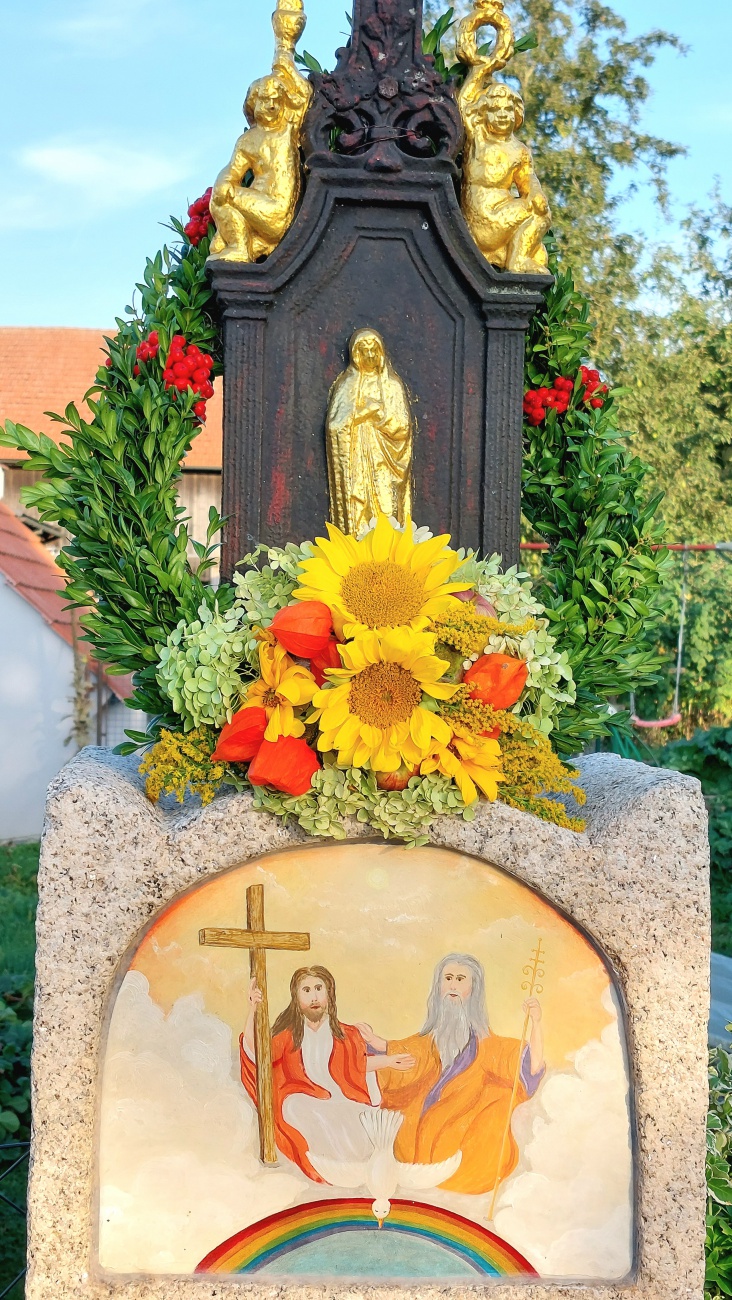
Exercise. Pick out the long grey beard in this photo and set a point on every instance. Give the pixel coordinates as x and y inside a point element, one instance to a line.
<point>451,1031</point>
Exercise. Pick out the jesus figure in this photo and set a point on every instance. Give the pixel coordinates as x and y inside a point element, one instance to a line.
<point>323,1075</point>
<point>457,1095</point>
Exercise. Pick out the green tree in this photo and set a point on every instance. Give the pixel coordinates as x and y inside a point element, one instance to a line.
<point>662,332</point>
<point>674,361</point>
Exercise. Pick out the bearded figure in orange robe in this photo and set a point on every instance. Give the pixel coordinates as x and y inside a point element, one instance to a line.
<point>456,1078</point>
<point>322,1072</point>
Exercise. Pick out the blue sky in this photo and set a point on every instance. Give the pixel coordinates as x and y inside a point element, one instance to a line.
<point>118,112</point>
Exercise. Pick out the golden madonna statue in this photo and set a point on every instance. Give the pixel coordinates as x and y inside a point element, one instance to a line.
<point>254,199</point>
<point>502,199</point>
<point>369,435</point>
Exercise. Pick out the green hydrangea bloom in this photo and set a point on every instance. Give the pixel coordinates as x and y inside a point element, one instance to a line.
<point>199,668</point>
<point>338,793</point>
<point>264,588</point>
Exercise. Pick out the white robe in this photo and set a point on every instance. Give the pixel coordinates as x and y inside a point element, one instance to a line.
<point>330,1126</point>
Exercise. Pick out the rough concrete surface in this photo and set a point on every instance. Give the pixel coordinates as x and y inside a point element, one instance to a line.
<point>637,880</point>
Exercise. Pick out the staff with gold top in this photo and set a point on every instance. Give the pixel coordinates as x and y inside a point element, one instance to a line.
<point>534,971</point>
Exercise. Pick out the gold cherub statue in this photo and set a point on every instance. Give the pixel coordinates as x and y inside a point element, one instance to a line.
<point>369,437</point>
<point>502,199</point>
<point>255,197</point>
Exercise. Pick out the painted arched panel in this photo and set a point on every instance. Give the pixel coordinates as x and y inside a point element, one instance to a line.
<point>450,1085</point>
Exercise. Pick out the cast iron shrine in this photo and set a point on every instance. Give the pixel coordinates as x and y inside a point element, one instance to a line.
<point>379,242</point>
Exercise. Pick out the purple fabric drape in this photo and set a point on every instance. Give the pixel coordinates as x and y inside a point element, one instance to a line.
<point>466,1058</point>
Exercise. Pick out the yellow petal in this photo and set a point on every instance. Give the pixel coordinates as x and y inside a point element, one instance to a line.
<point>425,553</point>
<point>349,731</point>
<point>419,727</point>
<point>465,785</point>
<point>439,728</point>
<point>403,549</point>
<point>381,539</point>
<point>273,730</point>
<point>440,690</point>
<point>487,781</point>
<point>386,759</point>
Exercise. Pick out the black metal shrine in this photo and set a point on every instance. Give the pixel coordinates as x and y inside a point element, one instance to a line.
<point>378,241</point>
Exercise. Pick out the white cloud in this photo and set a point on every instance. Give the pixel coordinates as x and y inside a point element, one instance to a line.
<point>568,1207</point>
<point>63,181</point>
<point>101,174</point>
<point>179,1168</point>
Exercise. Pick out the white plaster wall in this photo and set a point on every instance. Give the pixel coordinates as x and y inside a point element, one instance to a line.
<point>36,685</point>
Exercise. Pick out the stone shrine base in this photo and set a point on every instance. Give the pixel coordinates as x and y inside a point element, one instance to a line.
<point>637,881</point>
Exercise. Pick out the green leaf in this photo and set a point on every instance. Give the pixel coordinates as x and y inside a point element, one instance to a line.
<point>528,42</point>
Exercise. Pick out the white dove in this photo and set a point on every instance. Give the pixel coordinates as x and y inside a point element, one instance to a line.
<point>382,1173</point>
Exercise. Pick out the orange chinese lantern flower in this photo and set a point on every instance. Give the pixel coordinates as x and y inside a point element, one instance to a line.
<point>304,629</point>
<point>328,657</point>
<point>497,680</point>
<point>241,738</point>
<point>288,764</point>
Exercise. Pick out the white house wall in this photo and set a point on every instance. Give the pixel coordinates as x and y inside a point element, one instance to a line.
<point>36,686</point>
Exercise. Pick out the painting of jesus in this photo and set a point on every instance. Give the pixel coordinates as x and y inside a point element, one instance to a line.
<point>323,1074</point>
<point>404,1100</point>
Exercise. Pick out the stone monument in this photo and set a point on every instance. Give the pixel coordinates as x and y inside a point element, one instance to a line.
<point>268,1058</point>
<point>145,1156</point>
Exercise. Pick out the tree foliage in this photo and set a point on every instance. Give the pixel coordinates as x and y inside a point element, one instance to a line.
<point>718,1281</point>
<point>661,316</point>
<point>585,493</point>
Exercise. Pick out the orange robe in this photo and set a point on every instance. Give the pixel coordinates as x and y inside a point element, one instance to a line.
<point>347,1066</point>
<point>467,1113</point>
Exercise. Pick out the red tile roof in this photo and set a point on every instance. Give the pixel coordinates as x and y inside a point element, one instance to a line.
<point>29,569</point>
<point>45,369</point>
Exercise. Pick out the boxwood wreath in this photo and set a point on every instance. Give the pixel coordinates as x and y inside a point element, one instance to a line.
<point>494,683</point>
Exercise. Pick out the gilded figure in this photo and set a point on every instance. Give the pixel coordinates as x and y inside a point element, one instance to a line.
<point>502,199</point>
<point>255,197</point>
<point>370,435</point>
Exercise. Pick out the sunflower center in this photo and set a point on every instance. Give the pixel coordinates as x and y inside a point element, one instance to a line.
<point>384,693</point>
<point>380,593</point>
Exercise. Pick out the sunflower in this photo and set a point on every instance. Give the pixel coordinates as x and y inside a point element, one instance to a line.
<point>283,687</point>
<point>471,763</point>
<point>375,710</point>
<point>384,580</point>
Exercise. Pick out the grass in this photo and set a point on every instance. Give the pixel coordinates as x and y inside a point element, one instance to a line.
<point>722,912</point>
<point>18,873</point>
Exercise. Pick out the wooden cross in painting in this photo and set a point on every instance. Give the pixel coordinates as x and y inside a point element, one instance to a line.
<point>257,939</point>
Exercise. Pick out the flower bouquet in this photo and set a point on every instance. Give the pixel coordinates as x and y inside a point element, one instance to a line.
<point>387,677</point>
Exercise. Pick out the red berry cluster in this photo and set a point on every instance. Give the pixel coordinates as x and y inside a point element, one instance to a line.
<point>200,219</point>
<point>538,400</point>
<point>595,392</point>
<point>188,367</point>
<point>147,350</point>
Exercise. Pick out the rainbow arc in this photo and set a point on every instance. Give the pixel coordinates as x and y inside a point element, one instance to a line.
<point>263,1243</point>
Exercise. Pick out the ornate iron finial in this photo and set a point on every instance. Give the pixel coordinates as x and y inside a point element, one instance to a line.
<point>384,106</point>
